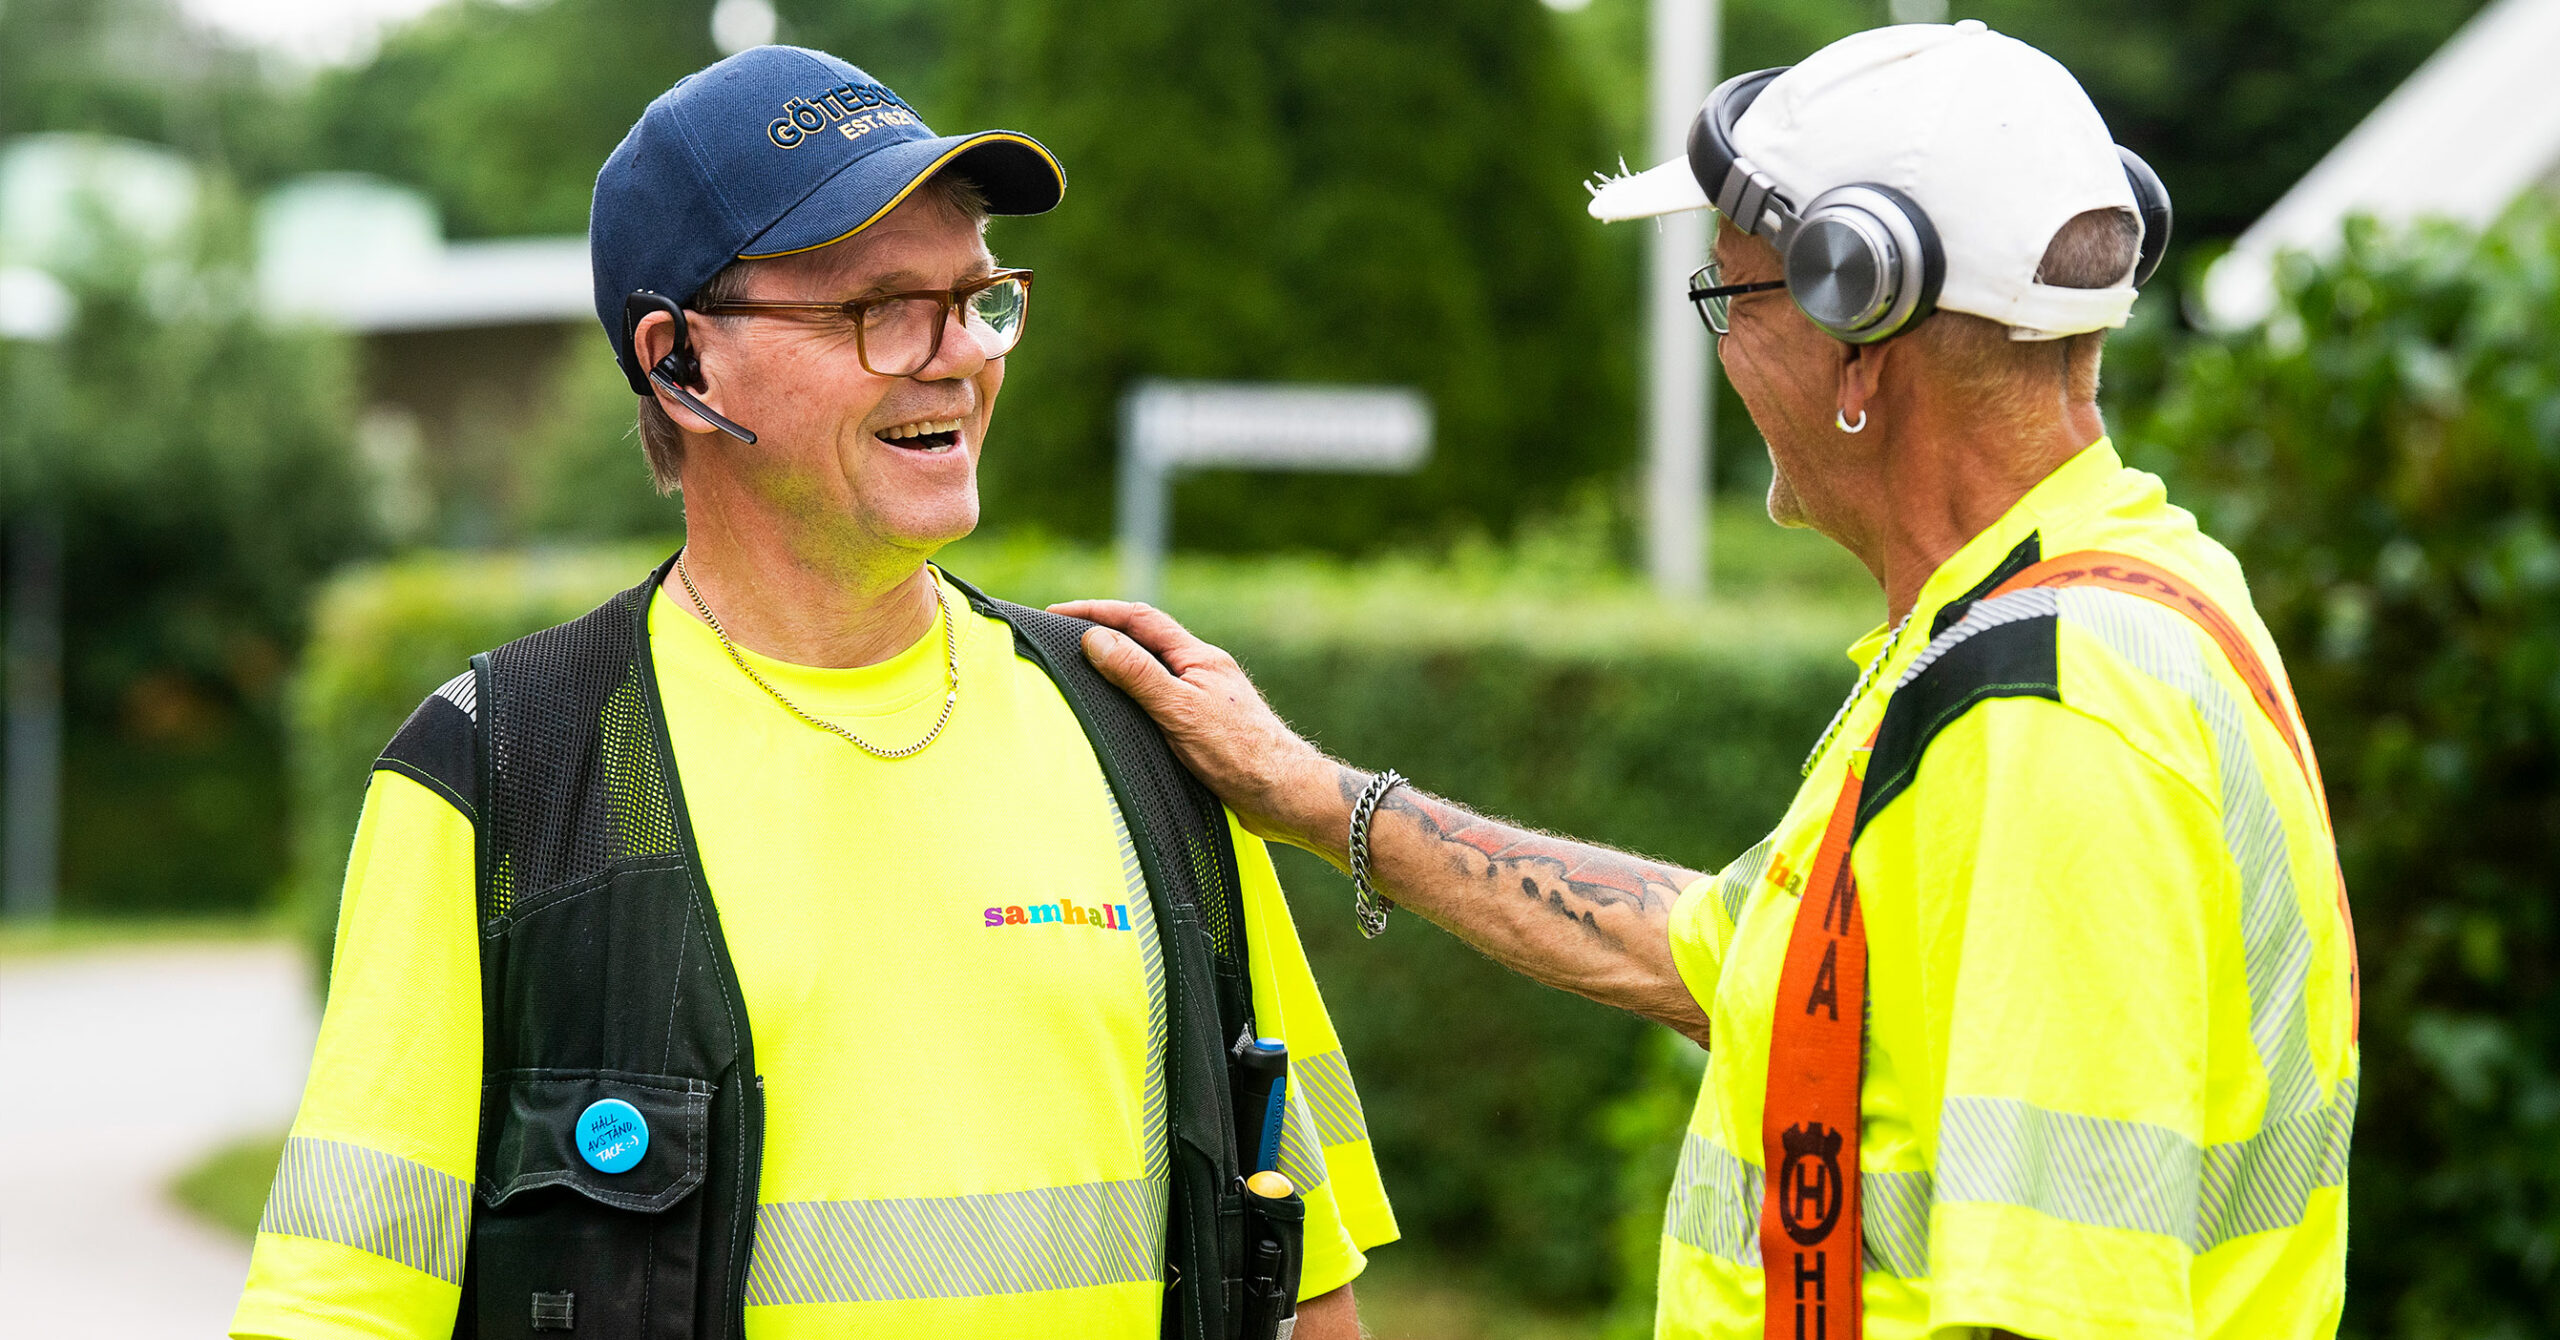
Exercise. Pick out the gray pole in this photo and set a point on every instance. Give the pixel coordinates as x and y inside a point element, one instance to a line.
<point>34,764</point>
<point>1679,429</point>
<point>1143,486</point>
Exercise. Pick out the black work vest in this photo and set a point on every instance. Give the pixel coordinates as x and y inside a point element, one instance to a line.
<point>604,975</point>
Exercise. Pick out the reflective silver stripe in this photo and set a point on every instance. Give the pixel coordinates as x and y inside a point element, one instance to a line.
<point>2035,602</point>
<point>1715,1202</point>
<point>463,691</point>
<point>1895,1209</point>
<point>2133,1175</point>
<point>2275,944</point>
<point>2265,1182</point>
<point>1733,884</point>
<point>1142,923</point>
<point>1324,1080</point>
<point>1715,1207</point>
<point>395,1208</point>
<point>854,1251</point>
<point>850,1251</point>
<point>2086,1170</point>
<point>1301,1159</point>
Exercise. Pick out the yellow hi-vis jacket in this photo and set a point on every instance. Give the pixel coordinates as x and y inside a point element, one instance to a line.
<point>2110,1072</point>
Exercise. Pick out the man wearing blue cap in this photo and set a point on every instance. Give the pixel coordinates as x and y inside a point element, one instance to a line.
<point>805,943</point>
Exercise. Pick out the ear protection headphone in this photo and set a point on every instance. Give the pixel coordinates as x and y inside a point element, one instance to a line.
<point>679,369</point>
<point>1862,261</point>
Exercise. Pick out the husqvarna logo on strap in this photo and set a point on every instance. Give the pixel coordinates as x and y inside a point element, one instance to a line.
<point>854,110</point>
<point>1809,1182</point>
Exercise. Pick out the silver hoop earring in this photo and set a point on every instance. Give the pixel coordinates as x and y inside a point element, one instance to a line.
<point>1841,419</point>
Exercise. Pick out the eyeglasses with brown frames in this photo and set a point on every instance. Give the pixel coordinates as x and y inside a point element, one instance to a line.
<point>900,334</point>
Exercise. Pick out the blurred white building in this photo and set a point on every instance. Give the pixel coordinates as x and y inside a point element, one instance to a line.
<point>462,341</point>
<point>2474,130</point>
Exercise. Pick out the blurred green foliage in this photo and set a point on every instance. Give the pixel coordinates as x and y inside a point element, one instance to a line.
<point>1562,696</point>
<point>227,1188</point>
<point>1321,191</point>
<point>198,468</point>
<point>1318,190</point>
<point>2385,458</point>
<point>503,112</point>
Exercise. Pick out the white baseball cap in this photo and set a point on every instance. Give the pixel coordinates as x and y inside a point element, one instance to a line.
<point>1991,137</point>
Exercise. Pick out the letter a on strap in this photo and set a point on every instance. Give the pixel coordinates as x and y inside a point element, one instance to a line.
<point>1810,1240</point>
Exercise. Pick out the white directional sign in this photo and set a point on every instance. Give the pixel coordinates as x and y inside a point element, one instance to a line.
<point>1168,427</point>
<point>1236,425</point>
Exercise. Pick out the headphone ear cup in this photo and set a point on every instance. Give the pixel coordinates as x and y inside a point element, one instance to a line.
<point>1933,255</point>
<point>1865,264</point>
<point>2151,202</point>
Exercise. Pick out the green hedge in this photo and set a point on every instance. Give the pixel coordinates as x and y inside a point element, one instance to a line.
<point>1526,685</point>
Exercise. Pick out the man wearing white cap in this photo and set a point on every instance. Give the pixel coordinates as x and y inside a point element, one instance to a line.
<point>2036,1012</point>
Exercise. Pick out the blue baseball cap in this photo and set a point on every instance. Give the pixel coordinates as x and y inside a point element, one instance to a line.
<point>772,151</point>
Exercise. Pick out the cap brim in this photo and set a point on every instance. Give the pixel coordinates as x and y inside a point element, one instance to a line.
<point>1668,189</point>
<point>1013,171</point>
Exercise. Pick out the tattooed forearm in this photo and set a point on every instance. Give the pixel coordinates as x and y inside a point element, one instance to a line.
<point>1572,880</point>
<point>1512,892</point>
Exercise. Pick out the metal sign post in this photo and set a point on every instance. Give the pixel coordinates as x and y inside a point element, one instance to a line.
<point>33,825</point>
<point>1169,427</point>
<point>34,307</point>
<point>1679,400</point>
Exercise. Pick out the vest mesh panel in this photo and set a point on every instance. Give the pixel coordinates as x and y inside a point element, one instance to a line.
<point>564,703</point>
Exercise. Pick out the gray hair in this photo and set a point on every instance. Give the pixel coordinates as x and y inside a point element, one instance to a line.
<point>2094,249</point>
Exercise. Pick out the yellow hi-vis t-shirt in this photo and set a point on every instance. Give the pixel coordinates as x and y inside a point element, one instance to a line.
<point>2109,1070</point>
<point>952,977</point>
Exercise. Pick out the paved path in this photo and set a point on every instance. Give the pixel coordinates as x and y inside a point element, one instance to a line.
<point>118,1068</point>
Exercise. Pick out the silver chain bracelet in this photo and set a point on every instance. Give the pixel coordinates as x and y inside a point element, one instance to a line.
<point>1371,905</point>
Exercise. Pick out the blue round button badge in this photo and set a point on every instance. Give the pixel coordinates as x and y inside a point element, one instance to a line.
<point>612,1135</point>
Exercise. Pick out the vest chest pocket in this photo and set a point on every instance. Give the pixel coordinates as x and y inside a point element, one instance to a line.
<point>559,1245</point>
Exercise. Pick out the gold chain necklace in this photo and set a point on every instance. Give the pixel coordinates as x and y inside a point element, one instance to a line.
<point>951,670</point>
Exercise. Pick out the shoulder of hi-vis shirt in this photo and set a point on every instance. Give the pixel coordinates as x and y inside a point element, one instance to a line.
<point>2110,1077</point>
<point>367,1221</point>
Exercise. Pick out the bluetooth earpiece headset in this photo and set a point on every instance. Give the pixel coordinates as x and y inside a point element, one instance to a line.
<point>1862,261</point>
<point>680,368</point>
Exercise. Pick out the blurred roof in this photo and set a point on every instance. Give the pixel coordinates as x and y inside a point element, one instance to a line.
<point>341,249</point>
<point>368,255</point>
<point>2474,129</point>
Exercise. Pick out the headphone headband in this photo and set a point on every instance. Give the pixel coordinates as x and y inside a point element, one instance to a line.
<point>1738,190</point>
<point>1854,236</point>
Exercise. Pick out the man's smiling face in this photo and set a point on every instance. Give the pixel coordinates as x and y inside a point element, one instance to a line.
<point>862,463</point>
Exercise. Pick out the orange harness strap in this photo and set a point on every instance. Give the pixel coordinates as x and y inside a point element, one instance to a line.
<point>1811,1245</point>
<point>1812,1242</point>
